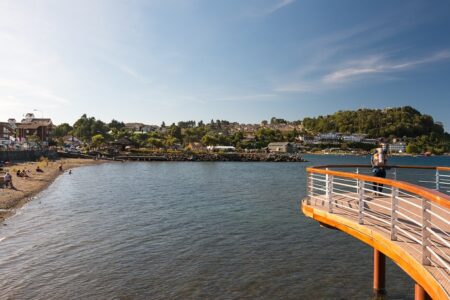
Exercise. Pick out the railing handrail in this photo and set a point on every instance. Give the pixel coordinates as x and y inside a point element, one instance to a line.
<point>440,168</point>
<point>431,195</point>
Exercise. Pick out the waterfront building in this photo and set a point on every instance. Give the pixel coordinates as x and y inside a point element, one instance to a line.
<point>221,148</point>
<point>398,147</point>
<point>282,147</point>
<point>370,141</point>
<point>354,138</point>
<point>329,138</point>
<point>6,131</point>
<point>306,139</point>
<point>32,126</point>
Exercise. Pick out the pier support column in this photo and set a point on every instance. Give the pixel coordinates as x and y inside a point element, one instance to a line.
<point>420,293</point>
<point>379,275</point>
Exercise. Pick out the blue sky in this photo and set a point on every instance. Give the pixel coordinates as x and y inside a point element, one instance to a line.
<point>239,60</point>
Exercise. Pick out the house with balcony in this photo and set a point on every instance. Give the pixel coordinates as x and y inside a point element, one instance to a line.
<point>32,126</point>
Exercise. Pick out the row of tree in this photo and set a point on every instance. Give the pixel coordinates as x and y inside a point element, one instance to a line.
<point>97,132</point>
<point>420,131</point>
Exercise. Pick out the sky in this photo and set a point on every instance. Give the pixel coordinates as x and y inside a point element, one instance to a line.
<point>237,60</point>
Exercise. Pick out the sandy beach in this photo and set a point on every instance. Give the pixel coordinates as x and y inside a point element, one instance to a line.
<point>27,187</point>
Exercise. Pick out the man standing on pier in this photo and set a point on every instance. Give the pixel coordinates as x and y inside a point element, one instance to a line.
<point>379,161</point>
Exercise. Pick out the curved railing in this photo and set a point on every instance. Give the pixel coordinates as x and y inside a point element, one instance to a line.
<point>437,178</point>
<point>411,217</point>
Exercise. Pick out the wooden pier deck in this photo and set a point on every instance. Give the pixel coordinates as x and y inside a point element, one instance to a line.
<point>370,217</point>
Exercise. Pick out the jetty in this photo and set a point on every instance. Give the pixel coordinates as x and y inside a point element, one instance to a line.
<point>191,156</point>
<point>408,221</point>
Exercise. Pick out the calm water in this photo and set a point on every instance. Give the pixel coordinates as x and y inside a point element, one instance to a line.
<point>185,231</point>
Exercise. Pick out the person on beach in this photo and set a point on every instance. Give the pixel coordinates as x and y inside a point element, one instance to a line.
<point>379,161</point>
<point>8,180</point>
<point>60,167</point>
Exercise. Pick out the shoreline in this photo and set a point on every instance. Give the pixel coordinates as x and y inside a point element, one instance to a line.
<point>27,188</point>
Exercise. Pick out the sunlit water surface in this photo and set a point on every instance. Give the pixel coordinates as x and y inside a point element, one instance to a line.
<point>180,230</point>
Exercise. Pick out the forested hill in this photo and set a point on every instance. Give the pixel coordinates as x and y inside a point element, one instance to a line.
<point>398,122</point>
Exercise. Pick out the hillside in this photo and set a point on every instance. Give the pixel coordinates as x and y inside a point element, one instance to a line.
<point>419,130</point>
<point>399,122</point>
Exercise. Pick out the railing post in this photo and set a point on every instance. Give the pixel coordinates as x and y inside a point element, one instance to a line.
<point>394,173</point>
<point>437,180</point>
<point>309,183</point>
<point>426,255</point>
<point>330,192</point>
<point>394,205</point>
<point>361,201</point>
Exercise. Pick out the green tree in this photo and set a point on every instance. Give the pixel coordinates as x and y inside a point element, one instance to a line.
<point>98,140</point>
<point>209,140</point>
<point>36,140</point>
<point>155,142</point>
<point>114,124</point>
<point>85,128</point>
<point>61,130</point>
<point>175,131</point>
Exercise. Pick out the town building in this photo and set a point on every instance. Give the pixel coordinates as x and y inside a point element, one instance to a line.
<point>306,139</point>
<point>329,138</point>
<point>221,148</point>
<point>141,127</point>
<point>398,147</point>
<point>6,131</point>
<point>32,126</point>
<point>281,147</point>
<point>72,142</point>
<point>370,141</point>
<point>353,138</point>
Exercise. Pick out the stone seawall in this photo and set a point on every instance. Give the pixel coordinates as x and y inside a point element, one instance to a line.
<point>28,155</point>
<point>244,157</point>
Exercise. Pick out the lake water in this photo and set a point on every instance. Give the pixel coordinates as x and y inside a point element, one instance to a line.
<point>182,230</point>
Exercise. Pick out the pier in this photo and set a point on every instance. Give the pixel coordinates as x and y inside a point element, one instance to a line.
<point>407,222</point>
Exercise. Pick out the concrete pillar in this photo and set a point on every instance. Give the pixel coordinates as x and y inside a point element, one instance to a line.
<point>379,275</point>
<point>420,293</point>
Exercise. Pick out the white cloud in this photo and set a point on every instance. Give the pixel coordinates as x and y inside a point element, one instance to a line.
<point>26,88</point>
<point>279,5</point>
<point>378,65</point>
<point>264,10</point>
<point>344,73</point>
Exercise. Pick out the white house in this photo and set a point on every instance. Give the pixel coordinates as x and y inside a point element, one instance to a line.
<point>221,148</point>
